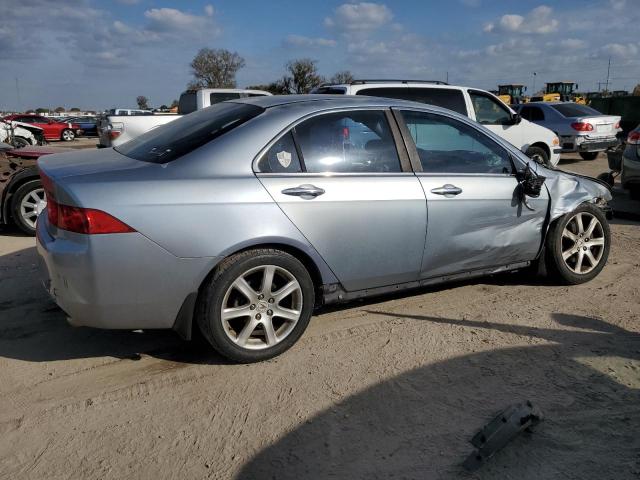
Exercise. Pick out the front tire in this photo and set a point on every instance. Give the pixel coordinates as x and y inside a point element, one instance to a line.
<point>256,305</point>
<point>67,135</point>
<point>589,155</point>
<point>27,204</point>
<point>538,155</point>
<point>578,245</point>
<point>20,142</point>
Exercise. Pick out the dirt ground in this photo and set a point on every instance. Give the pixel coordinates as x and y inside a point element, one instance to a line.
<point>392,388</point>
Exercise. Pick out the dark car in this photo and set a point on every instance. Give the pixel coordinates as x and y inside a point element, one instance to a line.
<point>22,197</point>
<point>87,125</point>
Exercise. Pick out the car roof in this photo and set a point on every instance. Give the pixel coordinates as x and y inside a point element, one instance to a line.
<point>315,101</point>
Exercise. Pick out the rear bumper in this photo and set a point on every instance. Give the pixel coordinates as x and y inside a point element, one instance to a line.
<point>630,170</point>
<point>585,143</point>
<point>120,281</point>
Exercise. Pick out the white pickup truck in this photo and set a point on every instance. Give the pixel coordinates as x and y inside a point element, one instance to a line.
<point>114,130</point>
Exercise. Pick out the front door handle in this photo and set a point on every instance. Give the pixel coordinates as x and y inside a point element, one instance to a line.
<point>447,190</point>
<point>308,191</point>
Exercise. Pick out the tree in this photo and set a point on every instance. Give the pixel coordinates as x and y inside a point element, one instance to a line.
<point>143,102</point>
<point>303,76</point>
<point>174,104</point>
<point>342,77</point>
<point>42,110</point>
<point>636,91</point>
<point>59,109</point>
<point>74,109</point>
<point>215,68</point>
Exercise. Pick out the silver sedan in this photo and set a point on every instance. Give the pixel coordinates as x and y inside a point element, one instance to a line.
<point>580,128</point>
<point>242,218</point>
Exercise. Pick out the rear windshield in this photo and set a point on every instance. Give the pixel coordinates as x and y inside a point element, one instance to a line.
<point>574,110</point>
<point>187,103</point>
<point>440,97</point>
<point>330,90</point>
<point>175,139</point>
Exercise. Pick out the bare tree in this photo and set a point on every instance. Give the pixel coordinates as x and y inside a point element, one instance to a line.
<point>302,76</point>
<point>215,68</point>
<point>143,102</point>
<point>342,77</point>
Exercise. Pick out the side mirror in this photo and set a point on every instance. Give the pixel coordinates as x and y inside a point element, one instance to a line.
<point>515,119</point>
<point>530,182</point>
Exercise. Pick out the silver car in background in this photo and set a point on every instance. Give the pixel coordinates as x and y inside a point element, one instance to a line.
<point>580,128</point>
<point>242,218</point>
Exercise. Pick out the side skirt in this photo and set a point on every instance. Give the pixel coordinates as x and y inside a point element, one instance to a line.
<point>335,293</point>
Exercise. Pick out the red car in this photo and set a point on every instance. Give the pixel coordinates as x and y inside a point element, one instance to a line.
<point>52,130</point>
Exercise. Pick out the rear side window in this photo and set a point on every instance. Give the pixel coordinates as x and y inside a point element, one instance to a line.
<point>282,157</point>
<point>446,145</point>
<point>574,110</point>
<point>330,90</point>
<point>488,110</point>
<point>174,139</point>
<point>450,98</point>
<point>351,142</point>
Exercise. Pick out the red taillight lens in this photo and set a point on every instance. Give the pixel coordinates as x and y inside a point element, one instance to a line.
<point>617,125</point>
<point>84,220</point>
<point>345,133</point>
<point>582,126</point>
<point>113,134</point>
<point>634,138</point>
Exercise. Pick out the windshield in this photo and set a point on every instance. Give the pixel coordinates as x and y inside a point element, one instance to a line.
<point>574,110</point>
<point>175,139</point>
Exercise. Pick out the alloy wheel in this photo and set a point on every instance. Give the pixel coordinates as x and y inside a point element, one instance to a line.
<point>261,307</point>
<point>68,135</point>
<point>583,243</point>
<point>32,205</point>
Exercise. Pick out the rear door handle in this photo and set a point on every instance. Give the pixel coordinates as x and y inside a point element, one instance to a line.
<point>309,191</point>
<point>447,190</point>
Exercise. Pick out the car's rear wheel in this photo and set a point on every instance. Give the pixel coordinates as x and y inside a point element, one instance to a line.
<point>68,135</point>
<point>578,245</point>
<point>256,305</point>
<point>538,155</point>
<point>20,142</point>
<point>589,155</point>
<point>27,203</point>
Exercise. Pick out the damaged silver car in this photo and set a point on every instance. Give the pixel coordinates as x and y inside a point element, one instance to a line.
<point>242,218</point>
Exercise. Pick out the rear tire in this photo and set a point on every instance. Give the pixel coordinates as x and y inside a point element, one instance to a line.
<point>248,318</point>
<point>589,155</point>
<point>608,178</point>
<point>26,204</point>
<point>538,155</point>
<point>67,135</point>
<point>577,249</point>
<point>20,142</point>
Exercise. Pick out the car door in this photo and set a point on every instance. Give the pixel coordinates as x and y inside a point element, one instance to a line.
<point>48,132</point>
<point>493,114</point>
<point>475,217</point>
<point>352,194</point>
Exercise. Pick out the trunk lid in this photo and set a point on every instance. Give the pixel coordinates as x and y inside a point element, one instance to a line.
<point>602,124</point>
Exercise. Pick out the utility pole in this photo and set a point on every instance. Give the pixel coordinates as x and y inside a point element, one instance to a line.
<point>18,95</point>
<point>608,70</point>
<point>533,91</point>
<point>447,77</point>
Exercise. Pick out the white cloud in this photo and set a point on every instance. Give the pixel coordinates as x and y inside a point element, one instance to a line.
<point>208,10</point>
<point>302,41</point>
<point>569,43</point>
<point>359,17</point>
<point>540,20</point>
<point>171,19</point>
<point>621,51</point>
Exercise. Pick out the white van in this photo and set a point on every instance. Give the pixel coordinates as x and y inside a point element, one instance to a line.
<point>539,143</point>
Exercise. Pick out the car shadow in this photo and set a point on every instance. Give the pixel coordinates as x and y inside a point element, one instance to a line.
<point>418,424</point>
<point>34,329</point>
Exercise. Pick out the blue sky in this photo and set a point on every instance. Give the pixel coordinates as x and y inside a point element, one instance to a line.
<point>101,54</point>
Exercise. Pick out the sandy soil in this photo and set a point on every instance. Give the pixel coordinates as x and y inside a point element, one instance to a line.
<point>393,388</point>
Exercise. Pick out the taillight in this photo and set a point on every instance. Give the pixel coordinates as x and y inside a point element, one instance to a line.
<point>345,133</point>
<point>84,220</point>
<point>634,138</point>
<point>616,126</point>
<point>115,129</point>
<point>582,126</point>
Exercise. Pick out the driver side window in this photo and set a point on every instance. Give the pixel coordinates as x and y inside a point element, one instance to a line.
<point>446,145</point>
<point>488,110</point>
